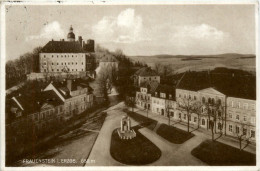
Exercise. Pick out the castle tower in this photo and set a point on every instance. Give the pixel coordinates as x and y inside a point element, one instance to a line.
<point>71,35</point>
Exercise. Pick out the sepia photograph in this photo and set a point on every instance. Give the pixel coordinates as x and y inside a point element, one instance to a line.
<point>129,84</point>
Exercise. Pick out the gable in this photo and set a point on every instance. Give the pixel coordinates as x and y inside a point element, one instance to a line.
<point>211,91</point>
<point>51,87</point>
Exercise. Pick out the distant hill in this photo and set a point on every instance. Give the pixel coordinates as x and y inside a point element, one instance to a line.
<point>182,63</point>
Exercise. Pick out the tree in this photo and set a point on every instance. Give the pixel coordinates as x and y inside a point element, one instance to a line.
<point>186,105</point>
<point>198,109</point>
<point>130,102</point>
<point>168,107</point>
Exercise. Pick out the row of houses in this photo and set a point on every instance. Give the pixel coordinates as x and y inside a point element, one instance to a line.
<point>56,103</point>
<point>201,98</point>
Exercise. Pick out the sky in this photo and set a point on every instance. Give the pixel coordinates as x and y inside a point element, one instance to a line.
<point>135,29</point>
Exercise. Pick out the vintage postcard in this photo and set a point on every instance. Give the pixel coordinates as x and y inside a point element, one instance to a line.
<point>135,83</point>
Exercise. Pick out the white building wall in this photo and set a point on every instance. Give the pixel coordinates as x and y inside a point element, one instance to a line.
<point>55,62</point>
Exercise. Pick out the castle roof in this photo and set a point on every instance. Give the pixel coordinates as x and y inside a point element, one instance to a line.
<point>63,47</point>
<point>146,71</point>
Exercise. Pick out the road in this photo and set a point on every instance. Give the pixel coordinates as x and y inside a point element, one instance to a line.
<point>172,154</point>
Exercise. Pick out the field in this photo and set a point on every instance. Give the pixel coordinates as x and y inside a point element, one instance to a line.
<point>182,63</point>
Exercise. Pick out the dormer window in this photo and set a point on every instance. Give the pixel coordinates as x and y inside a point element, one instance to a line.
<point>170,96</point>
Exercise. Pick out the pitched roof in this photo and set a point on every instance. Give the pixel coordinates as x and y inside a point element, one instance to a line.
<point>167,89</point>
<point>150,85</point>
<point>33,103</point>
<point>146,71</point>
<point>63,47</point>
<point>61,86</point>
<point>232,83</point>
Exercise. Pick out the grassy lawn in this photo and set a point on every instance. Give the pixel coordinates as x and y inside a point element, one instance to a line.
<point>144,121</point>
<point>219,154</point>
<point>172,134</point>
<point>137,151</point>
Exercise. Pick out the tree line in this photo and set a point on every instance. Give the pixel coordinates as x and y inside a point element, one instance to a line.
<point>16,70</point>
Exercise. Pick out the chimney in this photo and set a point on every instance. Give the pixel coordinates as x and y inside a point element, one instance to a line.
<point>80,41</point>
<point>83,44</point>
<point>69,83</point>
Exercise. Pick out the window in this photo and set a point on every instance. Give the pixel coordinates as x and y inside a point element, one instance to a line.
<point>179,115</point>
<point>44,63</point>
<point>237,117</point>
<point>230,128</point>
<point>184,116</point>
<point>245,118</point>
<point>45,70</point>
<point>244,131</point>
<point>65,63</point>
<point>195,98</point>
<point>189,118</point>
<point>57,69</point>
<point>237,129</point>
<point>82,63</point>
<point>252,132</point>
<point>76,63</point>
<point>179,95</point>
<point>71,63</point>
<point>81,69</point>
<point>238,104</point>
<point>51,55</point>
<point>189,96</point>
<point>245,106</point>
<point>170,96</point>
<point>52,69</point>
<point>57,56</point>
<point>172,114</point>
<point>203,122</point>
<point>52,63</point>
<point>219,101</point>
<point>57,63</point>
<point>44,56</point>
<point>253,106</point>
<point>72,69</point>
<point>68,63</point>
<point>62,63</point>
<point>195,119</point>
<point>230,115</point>
<point>232,103</point>
<point>203,100</point>
<point>184,95</point>
<point>72,55</point>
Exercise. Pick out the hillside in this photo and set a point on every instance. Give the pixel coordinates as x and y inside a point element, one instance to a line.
<point>182,63</point>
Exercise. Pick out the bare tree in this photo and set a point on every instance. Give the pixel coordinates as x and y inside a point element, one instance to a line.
<point>186,105</point>
<point>168,107</point>
<point>198,109</point>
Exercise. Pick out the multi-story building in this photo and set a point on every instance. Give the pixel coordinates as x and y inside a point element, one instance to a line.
<point>145,74</point>
<point>76,95</point>
<point>241,117</point>
<point>38,112</point>
<point>67,56</point>
<point>163,100</point>
<point>230,107</point>
<point>108,61</point>
<point>144,96</point>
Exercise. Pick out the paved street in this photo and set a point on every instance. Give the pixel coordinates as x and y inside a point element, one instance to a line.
<point>202,133</point>
<point>172,154</point>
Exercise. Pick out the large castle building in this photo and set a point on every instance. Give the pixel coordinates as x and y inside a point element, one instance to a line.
<point>67,56</point>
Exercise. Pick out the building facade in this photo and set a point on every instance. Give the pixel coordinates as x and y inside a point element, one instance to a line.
<point>67,56</point>
<point>163,101</point>
<point>241,117</point>
<point>145,74</point>
<point>144,96</point>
